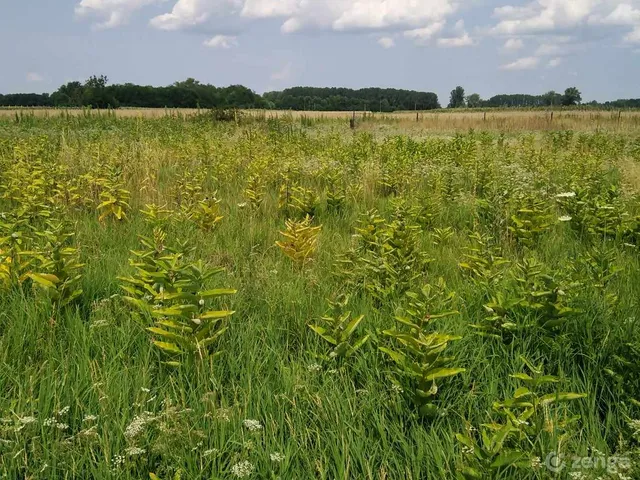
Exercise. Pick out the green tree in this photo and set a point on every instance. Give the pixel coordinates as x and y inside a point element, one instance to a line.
<point>572,96</point>
<point>457,98</point>
<point>551,98</point>
<point>474,101</point>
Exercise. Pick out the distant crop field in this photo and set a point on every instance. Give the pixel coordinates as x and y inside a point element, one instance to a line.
<point>280,296</point>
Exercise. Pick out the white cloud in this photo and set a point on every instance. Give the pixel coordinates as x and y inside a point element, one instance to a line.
<point>386,42</point>
<point>513,44</point>
<point>114,12</point>
<point>569,16</point>
<point>221,41</point>
<point>548,49</point>
<point>634,36</point>
<point>283,74</point>
<point>190,13</point>
<point>34,77</point>
<point>423,35</point>
<point>463,41</point>
<point>526,63</point>
<point>337,15</point>
<point>554,62</point>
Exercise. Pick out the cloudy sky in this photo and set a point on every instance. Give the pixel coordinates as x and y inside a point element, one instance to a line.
<point>487,46</point>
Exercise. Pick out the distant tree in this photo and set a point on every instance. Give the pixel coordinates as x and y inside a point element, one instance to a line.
<point>69,95</point>
<point>97,95</point>
<point>474,101</point>
<point>457,98</point>
<point>572,96</point>
<point>551,98</point>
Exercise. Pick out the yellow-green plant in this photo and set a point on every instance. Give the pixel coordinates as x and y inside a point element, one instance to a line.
<point>206,214</point>
<point>338,328</point>
<point>418,351</point>
<point>483,261</point>
<point>300,240</point>
<point>59,272</point>
<point>171,293</point>
<point>255,191</point>
<point>114,202</point>
<point>532,420</point>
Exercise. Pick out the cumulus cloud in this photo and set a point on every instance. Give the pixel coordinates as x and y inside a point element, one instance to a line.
<point>113,12</point>
<point>386,42</point>
<point>424,34</point>
<point>513,44</point>
<point>526,63</point>
<point>221,41</point>
<point>338,15</point>
<point>462,41</point>
<point>569,16</point>
<point>34,77</point>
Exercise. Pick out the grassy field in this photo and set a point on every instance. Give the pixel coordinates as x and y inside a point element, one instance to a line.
<point>289,299</point>
<point>446,120</point>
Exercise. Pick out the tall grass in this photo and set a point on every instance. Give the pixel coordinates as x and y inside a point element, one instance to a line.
<point>85,393</point>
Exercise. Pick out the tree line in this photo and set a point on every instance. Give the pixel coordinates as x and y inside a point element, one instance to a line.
<point>96,92</point>
<point>571,97</point>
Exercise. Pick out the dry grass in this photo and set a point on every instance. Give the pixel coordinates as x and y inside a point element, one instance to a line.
<point>439,120</point>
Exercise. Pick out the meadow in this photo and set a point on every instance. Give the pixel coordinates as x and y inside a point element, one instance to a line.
<point>287,298</point>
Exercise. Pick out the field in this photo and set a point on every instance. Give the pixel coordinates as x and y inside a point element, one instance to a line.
<point>286,298</point>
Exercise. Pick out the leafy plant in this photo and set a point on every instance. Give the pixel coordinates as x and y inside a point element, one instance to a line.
<point>532,419</point>
<point>418,354</point>
<point>338,329</point>
<point>171,292</point>
<point>300,240</point>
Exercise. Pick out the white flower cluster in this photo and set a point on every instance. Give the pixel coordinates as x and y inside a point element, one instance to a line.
<point>252,425</point>
<point>53,422</point>
<point>277,457</point>
<point>314,367</point>
<point>566,195</point>
<point>242,469</point>
<point>137,425</point>
<point>132,451</point>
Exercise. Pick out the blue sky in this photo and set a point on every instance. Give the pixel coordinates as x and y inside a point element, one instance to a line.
<point>487,46</point>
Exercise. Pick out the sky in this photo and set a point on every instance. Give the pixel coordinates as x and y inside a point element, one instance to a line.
<point>487,46</point>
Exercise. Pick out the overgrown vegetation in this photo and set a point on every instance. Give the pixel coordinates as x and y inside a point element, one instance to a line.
<point>270,299</point>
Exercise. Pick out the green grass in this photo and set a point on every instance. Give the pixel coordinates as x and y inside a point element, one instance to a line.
<point>341,420</point>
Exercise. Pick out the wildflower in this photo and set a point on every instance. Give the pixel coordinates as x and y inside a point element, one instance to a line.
<point>565,218</point>
<point>201,302</point>
<point>536,463</point>
<point>397,388</point>
<point>223,414</point>
<point>467,450</point>
<point>277,457</point>
<point>64,410</point>
<point>210,452</point>
<point>117,460</point>
<point>136,427</point>
<point>314,367</point>
<point>242,205</point>
<point>145,390</point>
<point>577,475</point>
<point>90,418</point>
<point>252,425</point>
<point>132,451</point>
<point>27,420</point>
<point>62,426</point>
<point>49,422</point>
<point>566,195</point>
<point>242,469</point>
